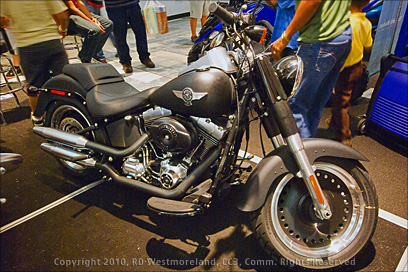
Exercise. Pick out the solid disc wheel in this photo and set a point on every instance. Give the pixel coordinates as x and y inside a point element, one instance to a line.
<point>69,118</point>
<point>288,228</point>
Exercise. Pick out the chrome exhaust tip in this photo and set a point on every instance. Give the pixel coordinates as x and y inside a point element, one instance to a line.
<point>68,154</point>
<point>61,136</point>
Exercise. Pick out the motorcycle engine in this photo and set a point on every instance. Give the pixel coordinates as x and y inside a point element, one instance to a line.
<point>178,145</point>
<point>173,134</point>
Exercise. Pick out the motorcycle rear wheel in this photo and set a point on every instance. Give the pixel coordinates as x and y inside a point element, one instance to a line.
<point>289,231</point>
<point>70,118</point>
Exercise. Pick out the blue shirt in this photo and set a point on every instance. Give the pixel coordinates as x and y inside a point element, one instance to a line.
<point>284,14</point>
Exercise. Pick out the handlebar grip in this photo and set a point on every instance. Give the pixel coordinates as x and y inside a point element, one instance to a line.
<point>221,13</point>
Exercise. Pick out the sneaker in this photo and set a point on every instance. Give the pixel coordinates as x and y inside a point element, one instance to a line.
<point>148,63</point>
<point>37,121</point>
<point>127,68</point>
<point>101,60</point>
<point>193,38</point>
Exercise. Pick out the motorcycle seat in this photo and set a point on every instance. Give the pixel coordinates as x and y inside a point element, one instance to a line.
<point>107,92</point>
<point>90,75</point>
<point>112,99</point>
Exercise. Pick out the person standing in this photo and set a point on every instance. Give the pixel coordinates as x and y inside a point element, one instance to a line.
<point>324,44</point>
<point>122,13</point>
<point>285,10</point>
<point>93,28</point>
<point>38,27</point>
<point>198,10</point>
<point>351,72</point>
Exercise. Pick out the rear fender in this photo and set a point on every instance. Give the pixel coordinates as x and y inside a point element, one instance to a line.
<point>280,162</point>
<point>60,88</point>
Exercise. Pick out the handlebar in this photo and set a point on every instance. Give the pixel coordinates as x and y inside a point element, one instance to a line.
<point>222,13</point>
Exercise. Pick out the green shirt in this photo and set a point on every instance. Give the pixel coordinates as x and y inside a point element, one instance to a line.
<point>329,21</point>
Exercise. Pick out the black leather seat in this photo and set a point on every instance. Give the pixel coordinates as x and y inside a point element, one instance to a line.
<point>107,92</point>
<point>110,100</point>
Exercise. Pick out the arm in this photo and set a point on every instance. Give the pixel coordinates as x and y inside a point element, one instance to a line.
<point>84,13</point>
<point>77,11</point>
<point>62,20</point>
<point>304,12</point>
<point>84,10</point>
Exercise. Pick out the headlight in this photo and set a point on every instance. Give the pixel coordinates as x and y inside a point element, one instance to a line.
<point>290,73</point>
<point>218,40</point>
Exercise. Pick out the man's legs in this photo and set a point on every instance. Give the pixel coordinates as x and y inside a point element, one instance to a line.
<point>338,49</point>
<point>346,82</point>
<point>196,11</point>
<point>193,27</point>
<point>108,26</point>
<point>118,17</point>
<point>322,63</point>
<point>91,32</point>
<point>95,10</point>
<point>135,19</point>
<point>38,70</point>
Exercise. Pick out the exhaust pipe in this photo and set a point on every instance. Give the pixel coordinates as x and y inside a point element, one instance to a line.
<point>61,136</point>
<point>68,154</point>
<point>174,193</point>
<point>81,141</point>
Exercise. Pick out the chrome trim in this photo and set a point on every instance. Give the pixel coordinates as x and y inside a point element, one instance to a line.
<point>338,244</point>
<point>297,149</point>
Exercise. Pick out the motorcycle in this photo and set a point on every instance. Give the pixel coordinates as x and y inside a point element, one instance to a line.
<point>311,203</point>
<point>211,34</point>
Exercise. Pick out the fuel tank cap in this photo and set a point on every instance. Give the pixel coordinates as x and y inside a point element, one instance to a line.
<point>202,69</point>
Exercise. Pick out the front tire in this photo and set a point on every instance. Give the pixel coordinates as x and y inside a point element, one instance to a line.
<point>289,231</point>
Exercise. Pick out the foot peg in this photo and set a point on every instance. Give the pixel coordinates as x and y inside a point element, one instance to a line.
<point>165,206</point>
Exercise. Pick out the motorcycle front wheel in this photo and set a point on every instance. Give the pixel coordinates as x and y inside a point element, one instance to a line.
<point>291,233</point>
<point>70,118</point>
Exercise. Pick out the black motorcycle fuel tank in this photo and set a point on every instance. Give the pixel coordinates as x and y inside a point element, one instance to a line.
<point>204,92</point>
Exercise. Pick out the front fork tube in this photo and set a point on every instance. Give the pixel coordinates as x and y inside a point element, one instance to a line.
<point>287,125</point>
<point>272,131</point>
<point>322,208</point>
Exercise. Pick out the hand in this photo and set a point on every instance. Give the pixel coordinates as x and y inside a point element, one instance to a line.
<point>96,22</point>
<point>277,48</point>
<point>62,32</point>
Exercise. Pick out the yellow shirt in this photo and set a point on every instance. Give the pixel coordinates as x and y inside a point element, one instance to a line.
<point>31,21</point>
<point>361,27</point>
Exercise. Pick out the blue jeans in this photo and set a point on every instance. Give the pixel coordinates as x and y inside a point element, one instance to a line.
<point>120,18</point>
<point>322,63</point>
<point>97,11</point>
<point>94,38</point>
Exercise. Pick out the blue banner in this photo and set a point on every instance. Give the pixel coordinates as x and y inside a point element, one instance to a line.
<point>389,27</point>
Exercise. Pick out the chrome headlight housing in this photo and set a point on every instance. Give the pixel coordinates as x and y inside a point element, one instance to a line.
<point>290,73</point>
<point>219,38</point>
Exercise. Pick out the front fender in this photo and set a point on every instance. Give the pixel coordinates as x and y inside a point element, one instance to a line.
<point>280,161</point>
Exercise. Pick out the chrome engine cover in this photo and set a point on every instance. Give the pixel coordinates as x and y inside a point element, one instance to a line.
<point>133,168</point>
<point>171,175</point>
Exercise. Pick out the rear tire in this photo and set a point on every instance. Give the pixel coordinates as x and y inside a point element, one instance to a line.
<point>70,118</point>
<point>291,234</point>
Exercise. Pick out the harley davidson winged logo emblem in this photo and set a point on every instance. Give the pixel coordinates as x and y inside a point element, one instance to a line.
<point>188,95</point>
